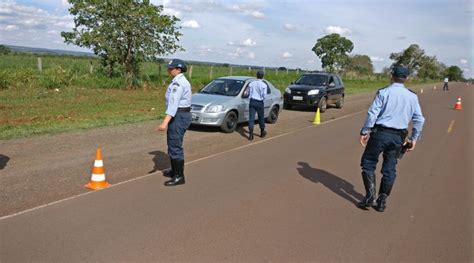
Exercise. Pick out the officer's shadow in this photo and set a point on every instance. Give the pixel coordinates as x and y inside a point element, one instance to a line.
<point>161,161</point>
<point>3,161</point>
<point>334,183</point>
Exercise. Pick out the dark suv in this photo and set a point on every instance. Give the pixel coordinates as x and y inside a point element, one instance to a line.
<point>315,89</point>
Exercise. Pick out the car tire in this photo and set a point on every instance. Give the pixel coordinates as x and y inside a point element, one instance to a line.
<point>273,115</point>
<point>230,122</point>
<point>340,102</point>
<point>287,106</point>
<point>322,105</point>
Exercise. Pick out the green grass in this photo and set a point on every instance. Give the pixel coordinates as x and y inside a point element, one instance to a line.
<point>64,96</point>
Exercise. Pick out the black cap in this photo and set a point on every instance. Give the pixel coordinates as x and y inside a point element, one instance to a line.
<point>260,74</point>
<point>177,63</point>
<point>400,72</point>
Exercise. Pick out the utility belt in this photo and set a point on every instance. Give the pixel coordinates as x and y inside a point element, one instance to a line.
<point>252,99</point>
<point>187,109</point>
<point>402,132</point>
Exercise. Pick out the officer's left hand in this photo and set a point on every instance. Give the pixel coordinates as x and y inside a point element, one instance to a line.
<point>162,127</point>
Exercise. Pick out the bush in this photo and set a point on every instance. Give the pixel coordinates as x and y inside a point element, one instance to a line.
<point>55,78</point>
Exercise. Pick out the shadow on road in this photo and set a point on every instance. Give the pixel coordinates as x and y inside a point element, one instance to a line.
<point>3,161</point>
<point>161,161</point>
<point>334,183</point>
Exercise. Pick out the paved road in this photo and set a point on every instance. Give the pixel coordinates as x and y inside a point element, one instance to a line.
<point>289,198</point>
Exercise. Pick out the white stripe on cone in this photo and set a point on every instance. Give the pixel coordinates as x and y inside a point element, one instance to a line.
<point>98,163</point>
<point>98,177</point>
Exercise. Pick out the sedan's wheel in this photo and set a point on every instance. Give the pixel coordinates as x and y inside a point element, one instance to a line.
<point>230,122</point>
<point>340,102</point>
<point>273,116</point>
<point>322,104</point>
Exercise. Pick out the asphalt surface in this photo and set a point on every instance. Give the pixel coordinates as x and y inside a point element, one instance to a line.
<point>290,197</point>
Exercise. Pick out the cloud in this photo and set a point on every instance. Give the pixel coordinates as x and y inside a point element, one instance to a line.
<point>337,30</point>
<point>286,55</point>
<point>230,43</point>
<point>377,59</point>
<point>9,28</point>
<point>289,27</point>
<point>251,55</point>
<point>257,14</point>
<point>247,9</point>
<point>248,42</point>
<point>191,24</point>
<point>463,61</point>
<point>401,37</point>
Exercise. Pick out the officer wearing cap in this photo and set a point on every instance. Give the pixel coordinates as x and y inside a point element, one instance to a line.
<point>177,119</point>
<point>384,131</point>
<point>257,94</point>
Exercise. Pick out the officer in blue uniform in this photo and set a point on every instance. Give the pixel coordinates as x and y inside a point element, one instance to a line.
<point>257,94</point>
<point>384,131</point>
<point>177,119</point>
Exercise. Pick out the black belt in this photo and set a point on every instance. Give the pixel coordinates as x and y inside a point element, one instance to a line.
<point>256,100</point>
<point>187,109</point>
<point>390,130</point>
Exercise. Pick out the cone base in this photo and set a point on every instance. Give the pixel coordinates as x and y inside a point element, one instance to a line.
<point>457,108</point>
<point>97,185</point>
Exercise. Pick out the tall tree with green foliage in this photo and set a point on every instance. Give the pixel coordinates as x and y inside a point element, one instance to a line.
<point>333,51</point>
<point>454,73</point>
<point>429,68</point>
<point>411,58</point>
<point>123,33</point>
<point>361,64</point>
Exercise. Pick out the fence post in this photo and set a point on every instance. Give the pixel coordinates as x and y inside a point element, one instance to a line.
<point>230,71</point>
<point>210,73</point>
<point>40,65</point>
<point>91,68</point>
<point>263,70</point>
<point>276,71</point>
<point>297,71</point>
<point>190,71</point>
<point>286,71</point>
<point>249,70</point>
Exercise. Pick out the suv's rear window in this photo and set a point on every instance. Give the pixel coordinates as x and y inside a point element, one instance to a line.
<point>312,80</point>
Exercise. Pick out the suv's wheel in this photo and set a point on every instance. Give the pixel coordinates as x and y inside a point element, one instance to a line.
<point>322,105</point>
<point>230,122</point>
<point>287,106</point>
<point>273,116</point>
<point>340,102</point>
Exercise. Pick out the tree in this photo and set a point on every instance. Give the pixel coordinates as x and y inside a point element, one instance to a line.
<point>332,50</point>
<point>361,64</point>
<point>429,68</point>
<point>123,33</point>
<point>4,50</point>
<point>410,58</point>
<point>454,73</point>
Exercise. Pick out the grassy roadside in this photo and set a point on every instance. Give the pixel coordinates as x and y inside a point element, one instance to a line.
<point>65,96</point>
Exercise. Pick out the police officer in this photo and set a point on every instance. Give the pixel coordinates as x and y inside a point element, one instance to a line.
<point>177,119</point>
<point>257,94</point>
<point>387,121</point>
<point>445,86</point>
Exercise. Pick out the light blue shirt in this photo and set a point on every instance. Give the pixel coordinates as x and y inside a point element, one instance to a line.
<point>394,107</point>
<point>178,94</point>
<point>258,90</point>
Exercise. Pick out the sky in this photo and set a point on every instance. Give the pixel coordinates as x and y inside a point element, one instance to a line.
<point>277,33</point>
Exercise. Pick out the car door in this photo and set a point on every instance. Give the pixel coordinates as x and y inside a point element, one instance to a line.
<point>331,89</point>
<point>339,88</point>
<point>268,99</point>
<point>244,104</point>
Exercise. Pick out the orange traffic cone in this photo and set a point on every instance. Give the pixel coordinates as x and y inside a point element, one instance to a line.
<point>98,173</point>
<point>458,105</point>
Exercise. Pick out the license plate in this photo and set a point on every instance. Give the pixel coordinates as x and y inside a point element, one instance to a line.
<point>297,98</point>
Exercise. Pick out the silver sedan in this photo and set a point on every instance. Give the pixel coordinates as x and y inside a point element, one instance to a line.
<point>224,102</point>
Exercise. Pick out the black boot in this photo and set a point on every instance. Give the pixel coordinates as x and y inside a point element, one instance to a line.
<point>178,177</point>
<point>263,133</point>
<point>170,172</point>
<point>384,192</point>
<point>369,184</point>
<point>250,134</point>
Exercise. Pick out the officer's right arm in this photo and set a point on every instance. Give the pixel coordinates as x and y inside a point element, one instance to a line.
<point>372,113</point>
<point>418,121</point>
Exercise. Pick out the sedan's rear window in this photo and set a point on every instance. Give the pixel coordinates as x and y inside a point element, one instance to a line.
<point>226,87</point>
<point>312,80</point>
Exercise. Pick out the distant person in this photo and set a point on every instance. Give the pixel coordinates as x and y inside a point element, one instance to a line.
<point>445,86</point>
<point>384,131</point>
<point>177,119</point>
<point>257,94</point>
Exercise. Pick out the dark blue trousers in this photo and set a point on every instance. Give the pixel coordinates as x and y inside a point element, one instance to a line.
<point>256,106</point>
<point>387,143</point>
<point>175,134</point>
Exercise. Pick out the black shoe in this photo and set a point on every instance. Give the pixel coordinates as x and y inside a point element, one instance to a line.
<point>175,181</point>
<point>369,199</point>
<point>178,166</point>
<point>170,172</point>
<point>263,133</point>
<point>384,192</point>
<point>250,135</point>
